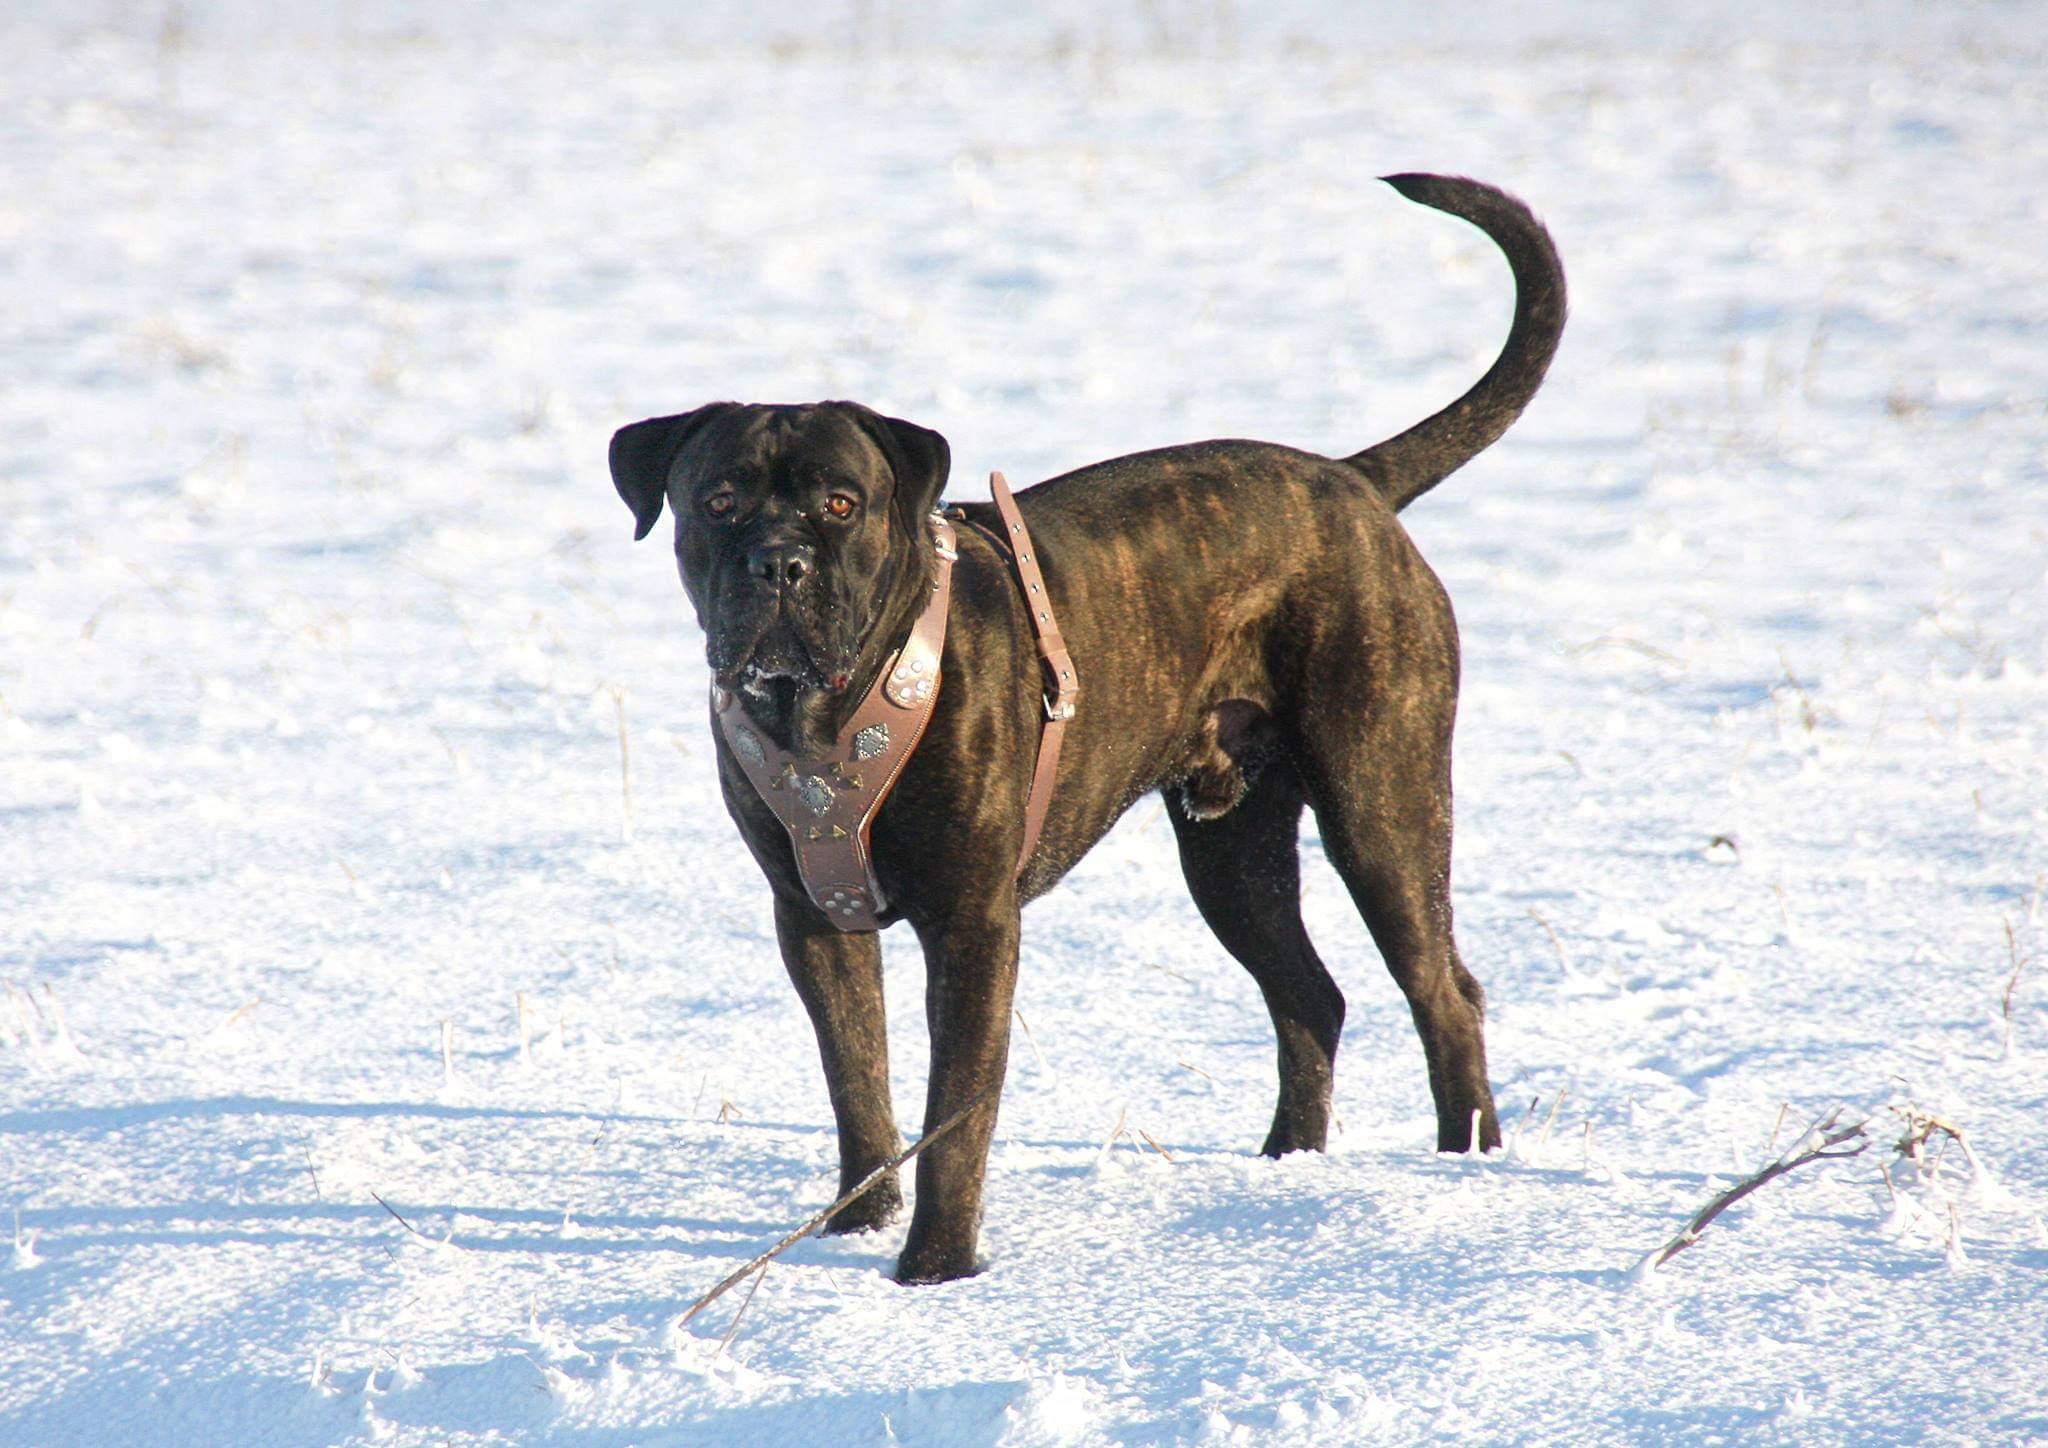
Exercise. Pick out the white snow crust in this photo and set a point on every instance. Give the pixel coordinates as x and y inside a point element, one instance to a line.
<point>320,628</point>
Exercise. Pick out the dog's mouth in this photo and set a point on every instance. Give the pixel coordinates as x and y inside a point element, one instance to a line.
<point>773,641</point>
<point>757,676</point>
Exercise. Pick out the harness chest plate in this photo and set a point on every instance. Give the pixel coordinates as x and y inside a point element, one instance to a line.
<point>828,805</point>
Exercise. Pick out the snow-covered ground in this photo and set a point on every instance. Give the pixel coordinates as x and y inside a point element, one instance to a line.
<point>321,642</point>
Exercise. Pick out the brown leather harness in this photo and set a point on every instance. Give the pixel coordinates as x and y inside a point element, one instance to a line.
<point>829,803</point>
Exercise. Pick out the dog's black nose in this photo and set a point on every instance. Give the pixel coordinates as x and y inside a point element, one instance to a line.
<point>780,563</point>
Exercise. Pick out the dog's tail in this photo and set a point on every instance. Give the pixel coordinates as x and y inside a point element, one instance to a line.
<point>1406,466</point>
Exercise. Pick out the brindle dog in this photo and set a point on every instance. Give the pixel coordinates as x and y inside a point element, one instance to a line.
<point>1254,632</point>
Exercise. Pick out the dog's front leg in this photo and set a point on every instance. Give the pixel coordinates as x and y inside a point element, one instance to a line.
<point>839,977</point>
<point>970,979</point>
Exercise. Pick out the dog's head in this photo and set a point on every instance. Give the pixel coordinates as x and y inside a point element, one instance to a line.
<point>798,530</point>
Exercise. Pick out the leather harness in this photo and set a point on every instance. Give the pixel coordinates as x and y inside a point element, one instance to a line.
<point>829,803</point>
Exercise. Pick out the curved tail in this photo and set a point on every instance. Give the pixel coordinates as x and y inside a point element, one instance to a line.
<point>1409,464</point>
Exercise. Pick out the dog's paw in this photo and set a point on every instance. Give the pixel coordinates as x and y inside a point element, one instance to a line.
<point>930,1273</point>
<point>872,1210</point>
<point>923,1264</point>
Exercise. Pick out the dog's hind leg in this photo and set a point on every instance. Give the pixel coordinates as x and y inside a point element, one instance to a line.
<point>839,977</point>
<point>1244,870</point>
<point>1379,779</point>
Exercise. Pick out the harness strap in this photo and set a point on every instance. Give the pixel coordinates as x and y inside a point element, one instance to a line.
<point>829,805</point>
<point>1062,689</point>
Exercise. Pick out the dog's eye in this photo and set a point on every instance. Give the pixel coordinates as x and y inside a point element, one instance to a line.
<point>841,505</point>
<point>719,504</point>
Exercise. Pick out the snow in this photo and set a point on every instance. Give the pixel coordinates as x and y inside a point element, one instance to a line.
<point>320,630</point>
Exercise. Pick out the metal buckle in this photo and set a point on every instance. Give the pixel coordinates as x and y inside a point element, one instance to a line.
<point>951,555</point>
<point>1054,711</point>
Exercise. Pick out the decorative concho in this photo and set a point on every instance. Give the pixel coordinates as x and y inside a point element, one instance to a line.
<point>747,744</point>
<point>871,741</point>
<point>844,899</point>
<point>909,683</point>
<point>815,794</point>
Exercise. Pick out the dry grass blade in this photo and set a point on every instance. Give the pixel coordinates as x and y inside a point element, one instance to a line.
<point>2012,982</point>
<point>1116,1133</point>
<point>625,766</point>
<point>811,1225</point>
<point>249,1006</point>
<point>400,1220</point>
<point>1831,1134</point>
<point>745,1302</point>
<point>1032,1040</point>
<point>1154,1144</point>
<point>1550,1119</point>
<point>1923,1127</point>
<point>1564,957</point>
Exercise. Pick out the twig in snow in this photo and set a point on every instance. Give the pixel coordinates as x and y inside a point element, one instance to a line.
<point>61,1033</point>
<point>1523,1125</point>
<point>400,1220</point>
<point>734,1326</point>
<point>1116,1132</point>
<point>1920,1127</point>
<point>1564,957</point>
<point>1809,717</point>
<point>25,1254</point>
<point>454,754</point>
<point>625,767</point>
<point>1169,970</point>
<point>1831,1135</point>
<point>1555,1102</point>
<point>236,1015</point>
<point>2012,946</point>
<point>1033,1040</point>
<point>1924,1126</point>
<point>19,1028</point>
<point>590,1153</point>
<point>819,1219</point>
<point>1154,1145</point>
<point>311,1170</point>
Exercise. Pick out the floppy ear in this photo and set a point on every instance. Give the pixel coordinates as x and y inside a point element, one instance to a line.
<point>919,457</point>
<point>641,454</point>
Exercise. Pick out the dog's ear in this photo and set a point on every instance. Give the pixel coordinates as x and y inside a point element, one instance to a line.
<point>919,457</point>
<point>642,453</point>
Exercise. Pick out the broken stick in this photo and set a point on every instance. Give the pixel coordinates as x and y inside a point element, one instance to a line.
<point>819,1220</point>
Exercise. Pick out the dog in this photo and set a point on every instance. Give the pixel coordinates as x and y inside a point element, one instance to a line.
<point>1255,634</point>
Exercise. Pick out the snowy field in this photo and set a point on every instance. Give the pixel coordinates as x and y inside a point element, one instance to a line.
<point>323,645</point>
